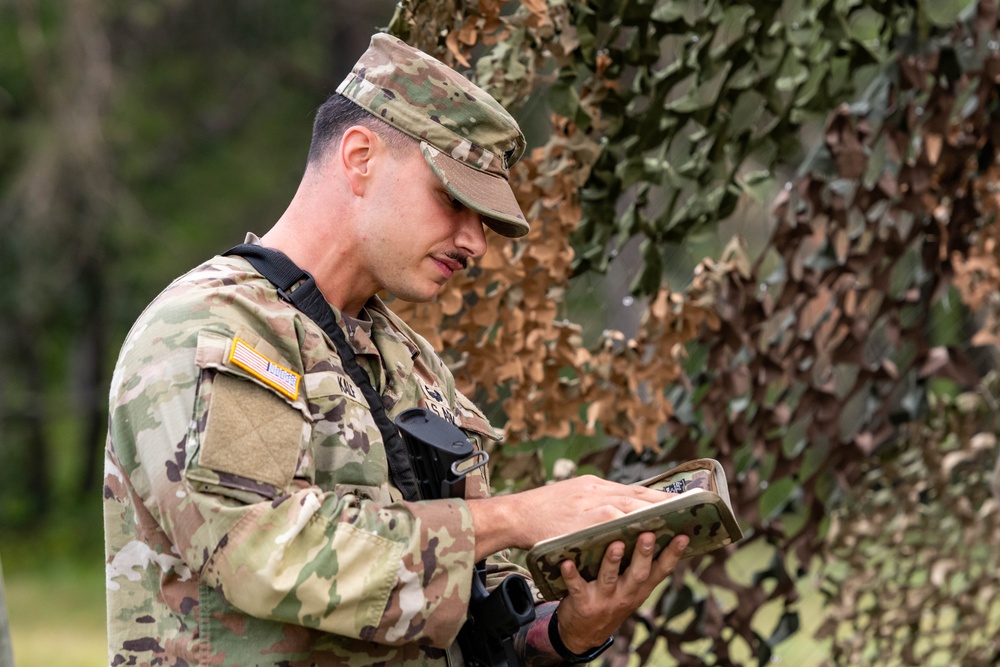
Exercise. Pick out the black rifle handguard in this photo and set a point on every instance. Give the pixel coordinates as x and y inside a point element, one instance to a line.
<point>442,456</point>
<point>507,608</point>
<point>440,453</point>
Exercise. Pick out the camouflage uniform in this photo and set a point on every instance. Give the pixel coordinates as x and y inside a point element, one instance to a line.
<point>249,515</point>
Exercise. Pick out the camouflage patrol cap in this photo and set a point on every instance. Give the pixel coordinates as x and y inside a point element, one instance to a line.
<point>466,137</point>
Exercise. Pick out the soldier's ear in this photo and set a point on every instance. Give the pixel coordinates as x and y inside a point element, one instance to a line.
<point>356,156</point>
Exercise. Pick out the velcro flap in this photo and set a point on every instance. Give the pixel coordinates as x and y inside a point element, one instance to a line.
<point>251,432</point>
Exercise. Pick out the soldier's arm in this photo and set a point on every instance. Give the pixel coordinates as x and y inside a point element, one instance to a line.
<point>207,449</point>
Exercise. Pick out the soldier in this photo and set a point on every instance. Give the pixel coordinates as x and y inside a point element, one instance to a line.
<point>250,515</point>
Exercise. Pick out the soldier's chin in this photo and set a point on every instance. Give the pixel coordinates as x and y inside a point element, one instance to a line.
<point>410,297</point>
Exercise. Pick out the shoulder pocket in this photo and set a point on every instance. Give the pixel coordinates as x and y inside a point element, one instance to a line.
<point>251,433</point>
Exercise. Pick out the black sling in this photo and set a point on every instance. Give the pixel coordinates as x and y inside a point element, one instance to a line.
<point>283,273</point>
<point>485,641</point>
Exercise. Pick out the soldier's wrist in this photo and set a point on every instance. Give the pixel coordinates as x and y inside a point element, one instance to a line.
<point>494,525</point>
<point>568,654</point>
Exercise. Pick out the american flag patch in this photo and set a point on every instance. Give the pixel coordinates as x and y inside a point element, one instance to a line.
<point>262,368</point>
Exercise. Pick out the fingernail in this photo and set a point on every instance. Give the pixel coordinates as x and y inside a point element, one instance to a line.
<point>682,542</point>
<point>647,544</point>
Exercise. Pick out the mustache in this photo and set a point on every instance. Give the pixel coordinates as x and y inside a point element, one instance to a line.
<point>460,258</point>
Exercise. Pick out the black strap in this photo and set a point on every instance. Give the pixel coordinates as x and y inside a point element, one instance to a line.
<point>283,272</point>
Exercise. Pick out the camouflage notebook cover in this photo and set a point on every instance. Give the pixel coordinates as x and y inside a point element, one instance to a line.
<point>701,511</point>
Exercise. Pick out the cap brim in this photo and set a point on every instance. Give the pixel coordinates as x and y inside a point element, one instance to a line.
<point>488,195</point>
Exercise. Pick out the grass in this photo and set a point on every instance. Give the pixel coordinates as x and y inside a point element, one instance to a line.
<point>54,586</point>
<point>57,615</point>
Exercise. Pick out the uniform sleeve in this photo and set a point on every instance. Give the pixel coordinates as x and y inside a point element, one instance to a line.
<point>213,451</point>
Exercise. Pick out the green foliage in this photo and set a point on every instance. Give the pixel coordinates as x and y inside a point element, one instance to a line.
<point>200,132</point>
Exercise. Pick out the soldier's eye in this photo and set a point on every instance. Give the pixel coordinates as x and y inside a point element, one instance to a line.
<point>450,201</point>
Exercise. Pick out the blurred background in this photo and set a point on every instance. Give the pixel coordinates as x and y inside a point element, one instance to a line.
<point>136,140</point>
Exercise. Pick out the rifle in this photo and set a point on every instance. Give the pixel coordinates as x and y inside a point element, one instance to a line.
<point>442,457</point>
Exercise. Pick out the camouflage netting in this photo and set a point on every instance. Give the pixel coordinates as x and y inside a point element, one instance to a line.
<point>914,577</point>
<point>820,372</point>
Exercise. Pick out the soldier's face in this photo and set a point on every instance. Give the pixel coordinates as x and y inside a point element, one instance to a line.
<point>419,235</point>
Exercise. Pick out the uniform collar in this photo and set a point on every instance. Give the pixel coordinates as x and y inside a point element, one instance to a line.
<point>387,325</point>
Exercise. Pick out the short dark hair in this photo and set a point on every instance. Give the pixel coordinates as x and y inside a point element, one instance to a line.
<point>337,114</point>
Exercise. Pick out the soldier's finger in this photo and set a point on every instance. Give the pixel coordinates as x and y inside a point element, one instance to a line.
<point>650,495</point>
<point>670,556</point>
<point>642,559</point>
<point>628,502</point>
<point>575,584</point>
<point>611,565</point>
<point>626,498</point>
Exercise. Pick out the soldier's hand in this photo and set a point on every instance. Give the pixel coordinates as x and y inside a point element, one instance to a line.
<point>524,519</point>
<point>593,610</point>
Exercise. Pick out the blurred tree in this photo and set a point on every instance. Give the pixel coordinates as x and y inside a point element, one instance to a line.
<point>144,136</point>
<point>58,203</point>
